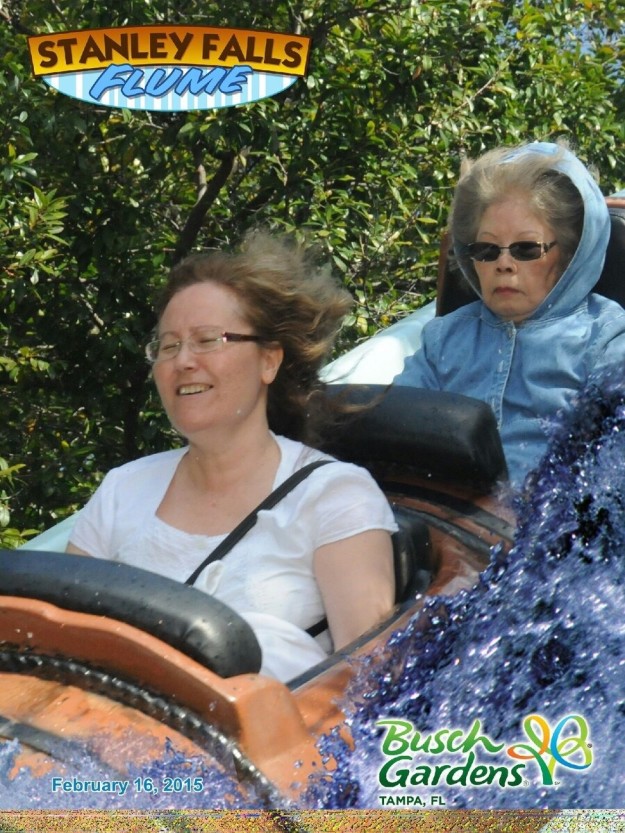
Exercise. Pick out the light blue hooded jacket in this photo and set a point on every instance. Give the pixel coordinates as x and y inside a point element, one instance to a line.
<point>527,372</point>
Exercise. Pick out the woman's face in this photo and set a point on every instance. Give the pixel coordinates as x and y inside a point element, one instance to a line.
<point>221,389</point>
<point>511,288</point>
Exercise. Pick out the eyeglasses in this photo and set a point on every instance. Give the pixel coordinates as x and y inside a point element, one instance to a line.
<point>203,340</point>
<point>522,250</point>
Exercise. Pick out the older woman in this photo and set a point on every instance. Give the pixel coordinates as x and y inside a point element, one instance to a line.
<point>239,343</point>
<point>530,230</point>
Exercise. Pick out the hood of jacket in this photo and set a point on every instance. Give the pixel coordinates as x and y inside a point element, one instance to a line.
<point>584,270</point>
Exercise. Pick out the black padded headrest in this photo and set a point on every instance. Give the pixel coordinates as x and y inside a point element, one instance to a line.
<point>437,435</point>
<point>611,284</point>
<point>453,291</point>
<point>452,288</point>
<point>188,619</point>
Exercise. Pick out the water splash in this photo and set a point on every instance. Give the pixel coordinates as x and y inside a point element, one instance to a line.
<point>543,632</point>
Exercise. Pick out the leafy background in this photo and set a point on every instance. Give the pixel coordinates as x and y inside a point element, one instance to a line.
<point>361,156</point>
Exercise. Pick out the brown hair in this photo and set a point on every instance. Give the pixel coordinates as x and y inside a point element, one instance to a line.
<point>288,297</point>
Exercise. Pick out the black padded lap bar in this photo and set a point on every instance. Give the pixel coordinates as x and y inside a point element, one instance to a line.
<point>187,619</point>
<point>447,437</point>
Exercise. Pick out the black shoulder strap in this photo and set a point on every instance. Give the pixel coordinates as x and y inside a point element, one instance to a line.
<point>319,627</point>
<point>248,522</point>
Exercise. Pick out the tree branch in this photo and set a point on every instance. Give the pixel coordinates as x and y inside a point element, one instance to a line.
<point>209,193</point>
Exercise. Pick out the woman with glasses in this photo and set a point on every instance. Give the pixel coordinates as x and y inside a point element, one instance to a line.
<point>530,229</point>
<point>239,343</point>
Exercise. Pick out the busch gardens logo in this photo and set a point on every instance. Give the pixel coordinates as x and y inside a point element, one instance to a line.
<point>412,756</point>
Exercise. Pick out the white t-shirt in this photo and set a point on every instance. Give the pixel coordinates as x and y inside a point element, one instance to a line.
<point>267,577</point>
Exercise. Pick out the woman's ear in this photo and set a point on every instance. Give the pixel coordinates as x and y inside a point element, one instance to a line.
<point>273,355</point>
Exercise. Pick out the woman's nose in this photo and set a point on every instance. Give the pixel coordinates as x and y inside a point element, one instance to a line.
<point>505,262</point>
<point>185,357</point>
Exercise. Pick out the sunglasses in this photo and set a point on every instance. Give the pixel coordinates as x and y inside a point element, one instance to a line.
<point>522,250</point>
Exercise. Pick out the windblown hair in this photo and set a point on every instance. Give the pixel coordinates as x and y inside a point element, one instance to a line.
<point>550,194</point>
<point>289,298</point>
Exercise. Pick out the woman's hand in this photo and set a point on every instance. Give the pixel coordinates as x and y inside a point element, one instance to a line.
<point>357,583</point>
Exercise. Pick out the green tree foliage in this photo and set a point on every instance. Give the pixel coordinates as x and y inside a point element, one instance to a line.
<point>361,156</point>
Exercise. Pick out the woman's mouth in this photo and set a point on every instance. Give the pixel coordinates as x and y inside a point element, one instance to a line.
<point>189,390</point>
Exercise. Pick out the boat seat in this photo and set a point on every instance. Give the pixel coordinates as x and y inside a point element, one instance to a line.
<point>453,291</point>
<point>611,284</point>
<point>412,555</point>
